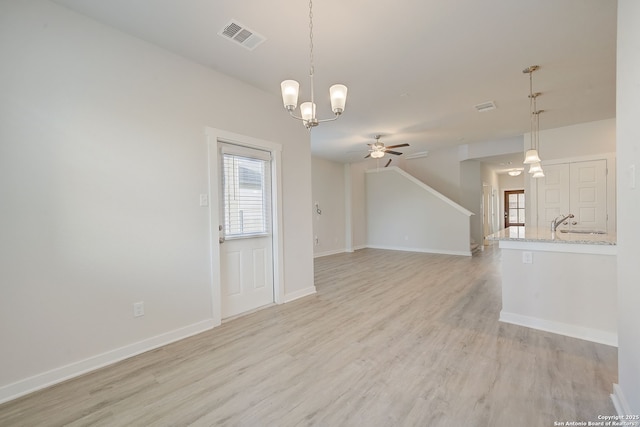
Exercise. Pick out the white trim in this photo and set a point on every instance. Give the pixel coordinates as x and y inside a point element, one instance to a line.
<point>421,250</point>
<point>72,370</point>
<point>588,334</point>
<point>300,294</point>
<point>333,252</point>
<point>424,186</point>
<point>620,402</point>
<point>601,156</point>
<point>214,136</point>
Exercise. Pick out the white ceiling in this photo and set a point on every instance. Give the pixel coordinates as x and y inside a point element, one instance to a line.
<point>414,68</point>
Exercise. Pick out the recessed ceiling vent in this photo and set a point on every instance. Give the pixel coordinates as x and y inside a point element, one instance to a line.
<point>242,35</point>
<point>485,106</point>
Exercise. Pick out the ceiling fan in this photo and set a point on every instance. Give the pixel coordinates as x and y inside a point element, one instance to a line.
<point>378,149</point>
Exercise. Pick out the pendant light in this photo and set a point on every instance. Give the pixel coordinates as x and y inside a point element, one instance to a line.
<point>531,156</point>
<point>290,88</point>
<point>536,168</point>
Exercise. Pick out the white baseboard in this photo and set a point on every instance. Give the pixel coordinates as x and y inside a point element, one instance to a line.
<point>422,250</point>
<point>574,331</point>
<point>300,294</point>
<point>72,370</point>
<point>327,253</point>
<point>620,402</point>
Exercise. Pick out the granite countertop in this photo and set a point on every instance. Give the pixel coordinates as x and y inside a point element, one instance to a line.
<point>544,235</point>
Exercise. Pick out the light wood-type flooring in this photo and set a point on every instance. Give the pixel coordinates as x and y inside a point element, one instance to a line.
<point>390,339</point>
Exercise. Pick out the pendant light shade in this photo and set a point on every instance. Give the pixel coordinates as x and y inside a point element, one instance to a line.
<point>531,157</point>
<point>535,167</point>
<point>290,90</point>
<point>539,174</point>
<point>338,94</point>
<point>307,110</point>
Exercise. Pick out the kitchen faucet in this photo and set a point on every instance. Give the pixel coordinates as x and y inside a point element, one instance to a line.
<point>556,222</point>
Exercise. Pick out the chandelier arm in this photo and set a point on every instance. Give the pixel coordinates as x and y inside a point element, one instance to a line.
<point>329,120</point>
<point>294,116</point>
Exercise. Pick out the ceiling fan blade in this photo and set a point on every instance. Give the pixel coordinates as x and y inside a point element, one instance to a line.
<point>388,163</point>
<point>399,145</point>
<point>367,156</point>
<point>397,153</point>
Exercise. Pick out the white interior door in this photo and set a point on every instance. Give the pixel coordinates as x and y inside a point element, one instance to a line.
<point>246,241</point>
<point>589,195</point>
<point>553,194</point>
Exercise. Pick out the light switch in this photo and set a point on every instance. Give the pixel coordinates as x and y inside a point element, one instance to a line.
<point>204,200</point>
<point>527,257</point>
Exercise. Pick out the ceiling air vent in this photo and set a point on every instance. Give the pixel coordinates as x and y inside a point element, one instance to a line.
<point>242,35</point>
<point>485,106</point>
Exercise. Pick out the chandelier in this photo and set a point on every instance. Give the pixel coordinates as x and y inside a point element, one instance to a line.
<point>290,89</point>
<point>532,157</point>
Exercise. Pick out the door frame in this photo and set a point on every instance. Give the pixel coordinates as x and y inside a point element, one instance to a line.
<point>215,136</point>
<point>505,213</point>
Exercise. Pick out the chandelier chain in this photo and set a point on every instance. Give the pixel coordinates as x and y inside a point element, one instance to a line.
<point>311,37</point>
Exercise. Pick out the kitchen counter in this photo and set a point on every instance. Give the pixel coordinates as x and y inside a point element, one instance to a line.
<point>542,239</point>
<point>563,283</point>
<point>533,234</point>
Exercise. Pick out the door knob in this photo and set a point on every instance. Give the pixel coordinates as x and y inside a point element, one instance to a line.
<point>220,240</point>
<point>574,223</point>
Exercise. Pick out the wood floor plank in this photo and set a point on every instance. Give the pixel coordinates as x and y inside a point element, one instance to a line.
<point>390,339</point>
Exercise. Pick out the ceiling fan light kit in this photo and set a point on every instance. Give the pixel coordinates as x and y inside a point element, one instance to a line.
<point>378,149</point>
<point>291,88</point>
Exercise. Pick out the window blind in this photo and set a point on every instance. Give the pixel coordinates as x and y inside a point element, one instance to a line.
<point>247,195</point>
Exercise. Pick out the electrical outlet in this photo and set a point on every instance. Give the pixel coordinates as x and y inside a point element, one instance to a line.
<point>316,241</point>
<point>138,309</point>
<point>527,257</point>
<point>204,200</point>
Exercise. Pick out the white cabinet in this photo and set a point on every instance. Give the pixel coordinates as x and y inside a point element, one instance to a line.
<point>579,188</point>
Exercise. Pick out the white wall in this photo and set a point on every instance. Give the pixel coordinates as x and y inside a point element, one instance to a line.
<point>471,195</point>
<point>628,154</point>
<point>358,201</point>
<point>102,160</point>
<point>584,141</point>
<point>440,170</point>
<point>405,214</point>
<point>490,201</point>
<point>328,190</point>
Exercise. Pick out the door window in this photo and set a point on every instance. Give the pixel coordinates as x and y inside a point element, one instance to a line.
<point>246,188</point>
<point>514,208</point>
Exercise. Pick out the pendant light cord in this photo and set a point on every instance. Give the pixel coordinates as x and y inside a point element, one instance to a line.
<point>532,101</point>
